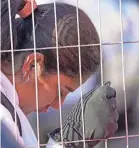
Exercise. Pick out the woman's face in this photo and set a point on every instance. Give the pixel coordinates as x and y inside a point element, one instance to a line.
<point>47,92</point>
<point>50,97</point>
<point>47,86</point>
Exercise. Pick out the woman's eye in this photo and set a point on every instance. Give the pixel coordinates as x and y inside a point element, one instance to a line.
<point>61,94</point>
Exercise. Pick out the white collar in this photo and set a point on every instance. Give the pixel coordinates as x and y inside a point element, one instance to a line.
<point>9,89</point>
<point>27,131</point>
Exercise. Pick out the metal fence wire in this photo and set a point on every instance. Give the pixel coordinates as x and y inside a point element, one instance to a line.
<point>107,68</point>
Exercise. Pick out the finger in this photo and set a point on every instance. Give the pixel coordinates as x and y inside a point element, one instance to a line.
<point>110,129</point>
<point>110,92</point>
<point>116,116</point>
<point>108,83</point>
<point>112,103</point>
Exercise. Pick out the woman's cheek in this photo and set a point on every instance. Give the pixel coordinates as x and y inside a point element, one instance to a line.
<point>56,104</point>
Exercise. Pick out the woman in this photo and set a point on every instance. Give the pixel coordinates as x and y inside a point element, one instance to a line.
<point>46,57</point>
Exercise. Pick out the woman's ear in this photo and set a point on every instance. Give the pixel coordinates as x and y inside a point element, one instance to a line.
<point>29,65</point>
<point>28,68</point>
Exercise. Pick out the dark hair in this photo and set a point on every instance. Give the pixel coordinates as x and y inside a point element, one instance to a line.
<point>46,37</point>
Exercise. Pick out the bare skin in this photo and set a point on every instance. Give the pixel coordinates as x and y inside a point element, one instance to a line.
<point>47,85</point>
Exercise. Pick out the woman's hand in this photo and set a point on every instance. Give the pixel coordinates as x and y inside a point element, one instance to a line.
<point>100,118</point>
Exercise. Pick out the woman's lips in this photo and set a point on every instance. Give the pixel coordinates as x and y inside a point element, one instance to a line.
<point>44,109</point>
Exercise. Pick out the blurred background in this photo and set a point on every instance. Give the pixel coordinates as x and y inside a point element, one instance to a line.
<point>115,36</point>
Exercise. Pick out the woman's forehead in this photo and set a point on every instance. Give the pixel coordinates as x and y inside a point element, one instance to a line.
<point>73,83</point>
